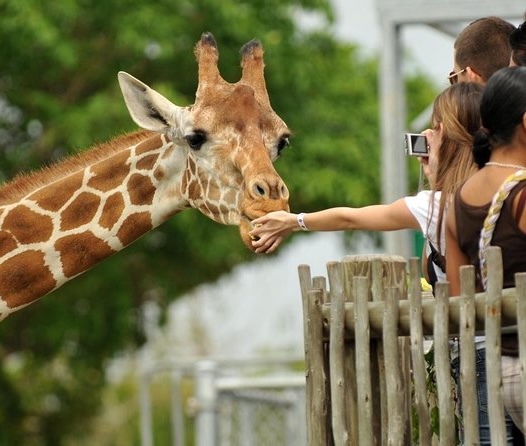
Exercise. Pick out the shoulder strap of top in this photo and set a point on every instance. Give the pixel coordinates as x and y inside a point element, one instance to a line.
<point>520,205</point>
<point>437,258</point>
<point>490,221</point>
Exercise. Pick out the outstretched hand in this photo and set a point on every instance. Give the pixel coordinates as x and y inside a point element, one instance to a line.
<point>271,229</point>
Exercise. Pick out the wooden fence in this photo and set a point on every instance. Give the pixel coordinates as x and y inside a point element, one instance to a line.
<point>367,378</point>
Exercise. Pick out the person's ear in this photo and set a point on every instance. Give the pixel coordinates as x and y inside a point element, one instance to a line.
<point>473,76</point>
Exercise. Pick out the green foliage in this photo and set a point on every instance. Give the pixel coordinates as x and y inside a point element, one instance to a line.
<point>341,161</point>
<point>59,94</point>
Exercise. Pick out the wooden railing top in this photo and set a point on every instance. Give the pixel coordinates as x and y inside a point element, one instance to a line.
<point>377,309</point>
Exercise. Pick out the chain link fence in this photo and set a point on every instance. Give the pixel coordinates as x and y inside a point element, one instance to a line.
<point>252,402</point>
<point>262,417</point>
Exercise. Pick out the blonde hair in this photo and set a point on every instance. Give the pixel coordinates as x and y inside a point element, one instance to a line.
<point>458,110</point>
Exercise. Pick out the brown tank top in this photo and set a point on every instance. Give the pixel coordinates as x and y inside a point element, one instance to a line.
<point>507,235</point>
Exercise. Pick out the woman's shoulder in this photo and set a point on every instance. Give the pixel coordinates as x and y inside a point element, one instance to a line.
<point>479,189</point>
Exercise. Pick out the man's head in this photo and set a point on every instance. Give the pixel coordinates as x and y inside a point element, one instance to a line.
<point>481,48</point>
<point>518,45</point>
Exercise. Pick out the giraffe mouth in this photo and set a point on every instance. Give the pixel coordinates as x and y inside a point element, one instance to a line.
<point>251,213</point>
<point>254,237</point>
<point>245,226</point>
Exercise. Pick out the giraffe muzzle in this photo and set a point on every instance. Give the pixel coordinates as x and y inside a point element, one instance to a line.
<point>254,237</point>
<point>269,188</point>
<point>266,193</point>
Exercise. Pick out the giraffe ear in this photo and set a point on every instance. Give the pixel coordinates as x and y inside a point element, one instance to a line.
<point>149,109</point>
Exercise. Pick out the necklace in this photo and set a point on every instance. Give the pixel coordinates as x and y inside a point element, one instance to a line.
<point>511,166</point>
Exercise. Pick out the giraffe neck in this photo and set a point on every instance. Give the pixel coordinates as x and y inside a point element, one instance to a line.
<point>60,222</point>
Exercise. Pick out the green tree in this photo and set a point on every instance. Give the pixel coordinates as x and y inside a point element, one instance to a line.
<point>59,94</point>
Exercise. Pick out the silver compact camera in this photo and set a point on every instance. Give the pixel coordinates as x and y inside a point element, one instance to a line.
<point>416,144</point>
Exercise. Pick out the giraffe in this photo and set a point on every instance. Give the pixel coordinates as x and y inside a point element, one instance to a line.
<point>215,156</point>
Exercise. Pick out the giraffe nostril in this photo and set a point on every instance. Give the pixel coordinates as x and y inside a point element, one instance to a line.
<point>272,188</point>
<point>260,190</point>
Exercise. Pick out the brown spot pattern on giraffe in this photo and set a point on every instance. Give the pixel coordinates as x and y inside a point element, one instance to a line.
<point>78,252</point>
<point>24,278</point>
<point>112,211</point>
<point>111,173</point>
<point>148,145</point>
<point>80,211</point>
<point>214,209</point>
<point>62,191</point>
<point>147,162</point>
<point>7,243</point>
<point>230,196</point>
<point>141,189</point>
<point>190,184</point>
<point>158,173</point>
<point>214,194</point>
<point>134,226</point>
<point>27,226</point>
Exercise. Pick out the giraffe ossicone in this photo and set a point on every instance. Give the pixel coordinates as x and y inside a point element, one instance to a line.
<point>215,156</point>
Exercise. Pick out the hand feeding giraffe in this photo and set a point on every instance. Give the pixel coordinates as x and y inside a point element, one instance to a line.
<point>215,156</point>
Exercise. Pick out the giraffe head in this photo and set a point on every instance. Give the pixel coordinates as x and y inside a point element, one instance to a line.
<point>224,144</point>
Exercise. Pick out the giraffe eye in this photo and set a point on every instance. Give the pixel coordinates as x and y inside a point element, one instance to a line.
<point>196,140</point>
<point>282,143</point>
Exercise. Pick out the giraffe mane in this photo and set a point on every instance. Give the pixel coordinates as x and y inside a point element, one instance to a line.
<point>24,183</point>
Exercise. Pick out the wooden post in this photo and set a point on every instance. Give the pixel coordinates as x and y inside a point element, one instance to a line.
<point>493,345</point>
<point>350,364</point>
<point>380,404</point>
<point>417,353</point>
<point>363,367</point>
<point>317,398</point>
<point>520,284</point>
<point>395,386</point>
<point>336,355</point>
<point>442,367</point>
<point>470,419</point>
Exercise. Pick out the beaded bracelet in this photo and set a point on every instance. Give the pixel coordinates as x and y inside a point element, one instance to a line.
<point>301,222</point>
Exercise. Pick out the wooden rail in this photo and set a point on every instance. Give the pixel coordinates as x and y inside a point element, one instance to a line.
<point>367,378</point>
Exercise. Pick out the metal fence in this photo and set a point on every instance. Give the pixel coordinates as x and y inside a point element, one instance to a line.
<point>234,402</point>
<point>265,413</point>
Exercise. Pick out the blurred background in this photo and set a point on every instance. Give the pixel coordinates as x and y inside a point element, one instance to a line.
<point>69,363</point>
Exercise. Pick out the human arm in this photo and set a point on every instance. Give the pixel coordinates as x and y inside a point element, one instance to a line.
<point>271,229</point>
<point>455,258</point>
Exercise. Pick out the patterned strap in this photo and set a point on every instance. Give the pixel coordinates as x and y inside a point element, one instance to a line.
<point>491,219</point>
